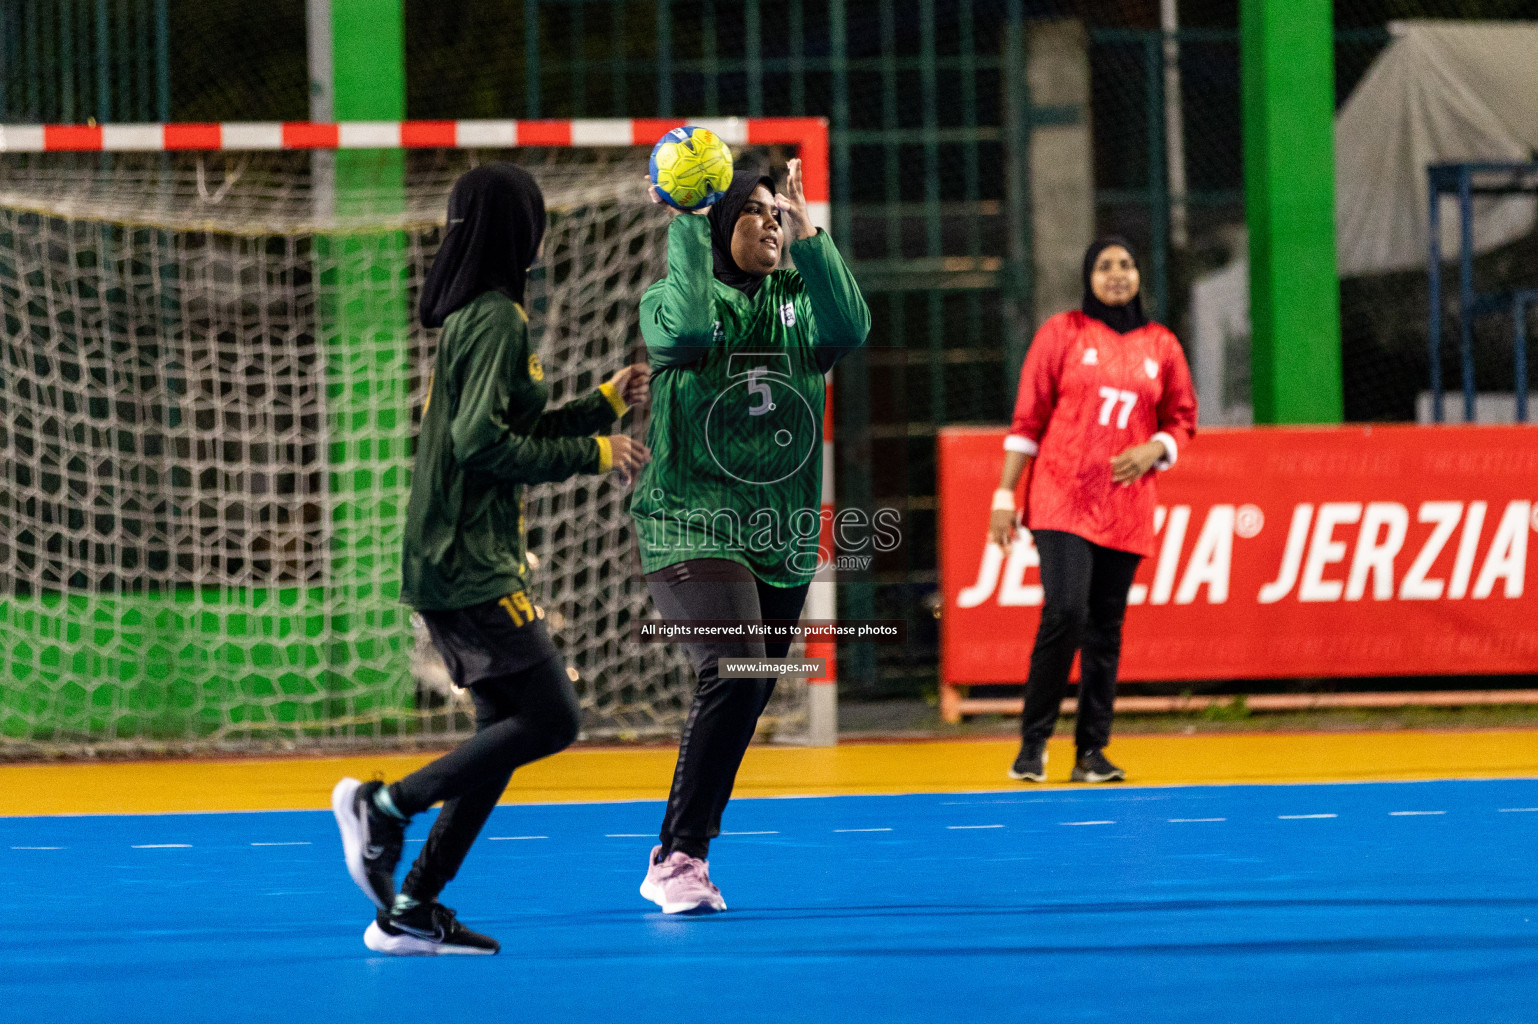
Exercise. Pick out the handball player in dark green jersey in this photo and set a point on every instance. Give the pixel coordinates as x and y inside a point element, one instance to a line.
<point>728,512</point>
<point>486,435</point>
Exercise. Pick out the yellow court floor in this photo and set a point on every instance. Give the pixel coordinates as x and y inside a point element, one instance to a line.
<point>631,773</point>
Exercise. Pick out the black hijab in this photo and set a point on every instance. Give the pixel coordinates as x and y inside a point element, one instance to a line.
<point>496,222</point>
<point>1120,319</point>
<point>723,224</point>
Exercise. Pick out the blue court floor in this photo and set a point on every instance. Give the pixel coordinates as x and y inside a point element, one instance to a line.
<point>1366,902</point>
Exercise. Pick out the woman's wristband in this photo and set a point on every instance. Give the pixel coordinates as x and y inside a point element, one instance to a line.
<point>1003,500</point>
<point>615,400</point>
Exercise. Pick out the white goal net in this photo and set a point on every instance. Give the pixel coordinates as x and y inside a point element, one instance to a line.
<point>212,378</point>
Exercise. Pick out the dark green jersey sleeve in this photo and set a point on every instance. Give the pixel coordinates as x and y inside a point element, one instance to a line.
<point>495,392</point>
<point>842,317</point>
<point>582,416</point>
<point>678,313</point>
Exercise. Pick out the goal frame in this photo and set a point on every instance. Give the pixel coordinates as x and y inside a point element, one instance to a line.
<point>808,135</point>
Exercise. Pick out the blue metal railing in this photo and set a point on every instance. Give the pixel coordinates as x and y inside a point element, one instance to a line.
<point>1465,181</point>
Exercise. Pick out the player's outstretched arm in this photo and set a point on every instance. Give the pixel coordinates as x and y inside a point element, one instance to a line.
<point>678,313</point>
<point>494,370</point>
<point>599,408</point>
<point>843,318</point>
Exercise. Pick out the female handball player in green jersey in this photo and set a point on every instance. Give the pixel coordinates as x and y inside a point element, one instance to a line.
<point>728,512</point>
<point>486,434</point>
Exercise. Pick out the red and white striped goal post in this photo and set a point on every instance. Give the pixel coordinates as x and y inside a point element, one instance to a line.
<point>808,134</point>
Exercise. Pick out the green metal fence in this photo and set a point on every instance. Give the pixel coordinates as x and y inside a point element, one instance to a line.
<point>79,60</point>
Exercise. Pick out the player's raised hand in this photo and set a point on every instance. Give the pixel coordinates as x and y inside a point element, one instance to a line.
<point>792,203</point>
<point>651,192</point>
<point>633,383</point>
<point>629,456</point>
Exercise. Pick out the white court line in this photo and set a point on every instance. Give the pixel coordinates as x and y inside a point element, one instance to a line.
<point>956,827</point>
<point>1176,821</point>
<point>302,843</point>
<point>1412,814</point>
<point>862,830</point>
<point>769,833</point>
<point>163,846</point>
<point>1300,817</point>
<point>496,839</point>
<point>1517,810</point>
<point>628,835</point>
<point>1086,823</point>
<point>37,847</point>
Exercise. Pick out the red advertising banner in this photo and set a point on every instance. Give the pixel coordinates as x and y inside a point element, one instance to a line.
<point>1343,551</point>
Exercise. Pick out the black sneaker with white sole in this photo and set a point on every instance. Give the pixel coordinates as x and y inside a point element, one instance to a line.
<point>371,839</point>
<point>1092,766</point>
<point>427,929</point>
<point>1030,765</point>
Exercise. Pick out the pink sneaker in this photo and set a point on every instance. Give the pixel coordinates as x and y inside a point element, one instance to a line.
<point>681,884</point>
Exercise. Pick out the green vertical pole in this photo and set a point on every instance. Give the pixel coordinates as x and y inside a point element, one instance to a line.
<point>928,79</point>
<point>1288,77</point>
<point>1158,184</point>
<point>365,324</point>
<point>81,67</point>
<point>664,58</point>
<point>8,16</point>
<point>798,58</point>
<point>711,73</point>
<point>838,46</point>
<point>66,65</point>
<point>162,61</point>
<point>128,106</point>
<point>970,168</point>
<point>531,58</point>
<point>619,81</point>
<point>103,79</point>
<point>753,47</point>
<point>142,50</point>
<point>578,65</point>
<point>851,405</point>
<point>48,94</point>
<point>891,162</point>
<point>33,73</point>
<point>1019,304</point>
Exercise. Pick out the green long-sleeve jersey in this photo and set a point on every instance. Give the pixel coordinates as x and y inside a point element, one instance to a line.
<point>485,434</point>
<point>737,406</point>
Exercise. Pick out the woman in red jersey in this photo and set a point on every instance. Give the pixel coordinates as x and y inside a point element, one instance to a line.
<point>1105,396</point>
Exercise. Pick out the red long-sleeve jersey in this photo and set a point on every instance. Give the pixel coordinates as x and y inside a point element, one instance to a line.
<point>1086,395</point>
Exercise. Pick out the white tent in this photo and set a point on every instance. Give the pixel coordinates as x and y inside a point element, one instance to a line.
<point>1441,92</point>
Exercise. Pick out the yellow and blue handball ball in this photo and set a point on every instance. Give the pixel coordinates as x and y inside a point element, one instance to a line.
<point>691,167</point>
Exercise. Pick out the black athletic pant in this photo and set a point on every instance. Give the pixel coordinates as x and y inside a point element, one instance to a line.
<point>1086,599</point>
<point>725,711</point>
<point>518,718</point>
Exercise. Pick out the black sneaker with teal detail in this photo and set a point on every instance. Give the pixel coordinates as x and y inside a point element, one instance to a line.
<point>426,929</point>
<point>371,839</point>
<point>1030,765</point>
<point>1092,766</point>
